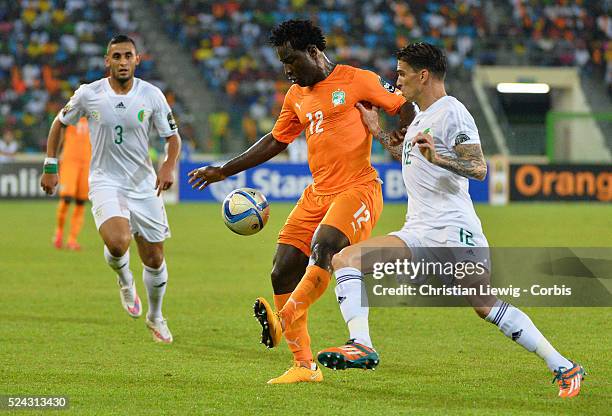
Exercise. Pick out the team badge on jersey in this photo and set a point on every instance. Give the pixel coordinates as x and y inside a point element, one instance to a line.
<point>171,121</point>
<point>387,85</point>
<point>461,138</point>
<point>66,108</point>
<point>143,114</point>
<point>95,115</point>
<point>338,98</point>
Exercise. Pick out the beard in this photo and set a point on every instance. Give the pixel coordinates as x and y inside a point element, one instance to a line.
<point>123,77</point>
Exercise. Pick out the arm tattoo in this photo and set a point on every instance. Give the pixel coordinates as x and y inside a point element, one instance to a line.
<point>469,162</point>
<point>385,139</point>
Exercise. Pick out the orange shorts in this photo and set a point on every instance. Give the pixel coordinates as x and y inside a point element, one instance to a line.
<point>73,180</point>
<point>354,212</point>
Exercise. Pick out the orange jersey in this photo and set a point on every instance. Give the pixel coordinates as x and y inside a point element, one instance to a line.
<point>77,147</point>
<point>339,144</point>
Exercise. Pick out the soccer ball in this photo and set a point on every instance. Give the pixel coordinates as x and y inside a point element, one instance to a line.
<point>245,211</point>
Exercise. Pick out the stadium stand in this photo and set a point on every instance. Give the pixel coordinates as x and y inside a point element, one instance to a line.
<point>229,43</point>
<point>558,33</point>
<point>49,47</point>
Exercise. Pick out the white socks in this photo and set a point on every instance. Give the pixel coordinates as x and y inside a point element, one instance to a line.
<point>517,326</point>
<point>121,266</point>
<point>349,292</point>
<point>155,281</point>
<point>514,323</point>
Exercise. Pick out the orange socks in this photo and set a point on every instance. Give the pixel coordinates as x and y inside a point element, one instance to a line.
<point>310,288</point>
<point>296,335</point>
<point>76,223</point>
<point>62,210</point>
<point>280,300</point>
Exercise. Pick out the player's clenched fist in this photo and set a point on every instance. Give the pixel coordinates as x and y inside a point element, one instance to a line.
<point>48,182</point>
<point>425,142</point>
<point>369,114</point>
<point>202,177</point>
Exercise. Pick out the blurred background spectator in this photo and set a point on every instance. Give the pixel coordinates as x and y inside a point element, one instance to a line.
<point>228,41</point>
<point>8,146</point>
<point>47,49</point>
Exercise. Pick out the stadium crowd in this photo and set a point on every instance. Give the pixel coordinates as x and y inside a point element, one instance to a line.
<point>563,33</point>
<point>48,48</point>
<point>228,41</point>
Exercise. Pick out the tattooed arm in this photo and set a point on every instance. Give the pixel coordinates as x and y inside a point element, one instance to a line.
<point>392,141</point>
<point>470,161</point>
<point>388,139</point>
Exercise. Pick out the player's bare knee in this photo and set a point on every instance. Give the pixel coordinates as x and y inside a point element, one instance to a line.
<point>288,268</point>
<point>277,277</point>
<point>285,277</point>
<point>347,257</point>
<point>339,261</point>
<point>322,254</point>
<point>482,311</point>
<point>118,244</point>
<point>154,259</point>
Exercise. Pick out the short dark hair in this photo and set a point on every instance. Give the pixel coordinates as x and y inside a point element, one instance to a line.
<point>422,55</point>
<point>121,39</point>
<point>299,33</point>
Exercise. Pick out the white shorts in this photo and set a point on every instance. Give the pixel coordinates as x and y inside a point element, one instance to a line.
<point>147,216</point>
<point>453,244</point>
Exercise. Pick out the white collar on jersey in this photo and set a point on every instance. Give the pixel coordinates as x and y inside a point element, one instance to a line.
<point>112,92</point>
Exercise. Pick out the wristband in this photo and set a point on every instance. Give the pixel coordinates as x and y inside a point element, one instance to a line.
<point>50,169</point>
<point>50,165</point>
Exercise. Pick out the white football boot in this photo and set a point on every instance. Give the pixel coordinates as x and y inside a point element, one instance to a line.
<point>159,330</point>
<point>130,300</point>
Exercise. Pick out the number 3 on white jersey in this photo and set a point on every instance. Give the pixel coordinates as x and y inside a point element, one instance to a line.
<point>362,215</point>
<point>315,128</point>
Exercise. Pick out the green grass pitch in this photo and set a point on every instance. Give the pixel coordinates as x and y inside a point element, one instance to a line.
<point>63,331</point>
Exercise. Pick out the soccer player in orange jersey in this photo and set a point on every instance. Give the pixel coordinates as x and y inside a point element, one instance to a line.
<point>342,205</point>
<point>73,174</point>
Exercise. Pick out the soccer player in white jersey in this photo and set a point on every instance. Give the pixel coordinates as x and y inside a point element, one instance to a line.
<point>441,149</point>
<point>123,186</point>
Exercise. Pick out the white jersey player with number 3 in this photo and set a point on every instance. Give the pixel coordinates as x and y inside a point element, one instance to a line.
<point>123,186</point>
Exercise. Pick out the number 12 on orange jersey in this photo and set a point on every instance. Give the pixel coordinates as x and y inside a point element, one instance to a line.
<point>362,215</point>
<point>315,127</point>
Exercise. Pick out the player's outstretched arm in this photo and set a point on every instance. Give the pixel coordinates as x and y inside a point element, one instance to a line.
<point>265,149</point>
<point>391,141</point>
<point>470,161</point>
<point>49,179</point>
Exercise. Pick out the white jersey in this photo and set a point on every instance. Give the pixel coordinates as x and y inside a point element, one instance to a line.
<point>438,198</point>
<point>119,126</point>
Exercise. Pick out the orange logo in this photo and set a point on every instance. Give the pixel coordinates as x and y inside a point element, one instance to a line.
<point>531,180</point>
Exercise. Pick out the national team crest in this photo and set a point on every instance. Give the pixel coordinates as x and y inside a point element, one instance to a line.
<point>338,98</point>
<point>95,115</point>
<point>143,114</point>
